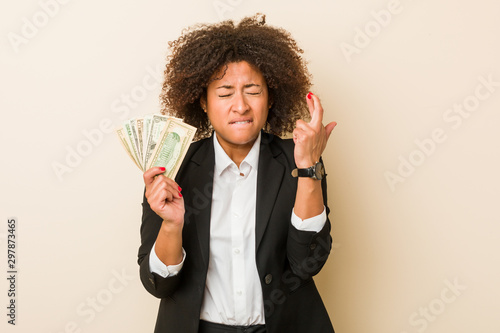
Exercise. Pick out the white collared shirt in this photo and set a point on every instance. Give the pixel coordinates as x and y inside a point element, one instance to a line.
<point>233,293</point>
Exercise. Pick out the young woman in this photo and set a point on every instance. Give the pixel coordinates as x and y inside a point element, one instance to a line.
<point>232,244</point>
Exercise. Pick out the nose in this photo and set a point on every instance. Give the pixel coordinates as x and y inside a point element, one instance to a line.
<point>240,104</point>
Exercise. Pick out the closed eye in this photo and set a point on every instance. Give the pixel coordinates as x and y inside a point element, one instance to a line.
<point>248,93</point>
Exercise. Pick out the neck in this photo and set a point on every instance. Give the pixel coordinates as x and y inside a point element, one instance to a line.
<point>237,153</point>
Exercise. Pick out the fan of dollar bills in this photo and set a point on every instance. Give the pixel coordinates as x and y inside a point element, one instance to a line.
<point>156,140</point>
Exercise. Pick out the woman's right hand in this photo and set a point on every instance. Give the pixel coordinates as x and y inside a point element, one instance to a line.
<point>164,196</point>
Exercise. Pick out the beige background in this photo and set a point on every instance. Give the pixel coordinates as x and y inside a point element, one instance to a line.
<point>416,249</point>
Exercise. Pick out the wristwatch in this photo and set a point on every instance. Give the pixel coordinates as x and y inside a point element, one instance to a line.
<point>317,171</point>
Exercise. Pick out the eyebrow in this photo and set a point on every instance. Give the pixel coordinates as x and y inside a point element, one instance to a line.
<point>226,86</point>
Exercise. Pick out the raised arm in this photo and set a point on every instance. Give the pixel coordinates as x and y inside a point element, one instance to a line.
<point>310,142</point>
<point>162,223</point>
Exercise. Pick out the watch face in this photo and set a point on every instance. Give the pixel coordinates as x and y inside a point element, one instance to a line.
<point>320,170</point>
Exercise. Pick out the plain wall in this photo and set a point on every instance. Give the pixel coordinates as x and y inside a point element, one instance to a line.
<point>412,165</point>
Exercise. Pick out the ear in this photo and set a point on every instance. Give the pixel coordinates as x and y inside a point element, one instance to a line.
<point>203,103</point>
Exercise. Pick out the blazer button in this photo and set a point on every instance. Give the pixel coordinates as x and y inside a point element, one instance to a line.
<point>268,278</point>
<point>312,246</point>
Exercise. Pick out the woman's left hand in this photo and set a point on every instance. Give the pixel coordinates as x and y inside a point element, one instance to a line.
<point>311,138</point>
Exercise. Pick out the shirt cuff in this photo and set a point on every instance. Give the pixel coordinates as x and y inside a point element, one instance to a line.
<point>158,267</point>
<point>315,223</point>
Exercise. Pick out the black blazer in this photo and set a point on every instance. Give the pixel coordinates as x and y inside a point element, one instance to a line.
<point>286,258</point>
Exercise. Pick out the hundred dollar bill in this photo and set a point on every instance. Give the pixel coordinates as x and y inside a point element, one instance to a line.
<point>157,125</point>
<point>123,140</point>
<point>172,146</point>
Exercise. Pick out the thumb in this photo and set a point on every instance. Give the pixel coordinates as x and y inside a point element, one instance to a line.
<point>150,174</point>
<point>329,128</point>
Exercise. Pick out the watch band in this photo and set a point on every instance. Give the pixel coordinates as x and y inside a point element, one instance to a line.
<point>308,172</point>
<point>315,172</point>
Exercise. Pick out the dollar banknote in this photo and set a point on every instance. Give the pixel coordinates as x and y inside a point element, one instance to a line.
<point>157,125</point>
<point>156,140</point>
<point>130,141</point>
<point>123,140</point>
<point>172,146</point>
<point>135,138</point>
<point>145,134</point>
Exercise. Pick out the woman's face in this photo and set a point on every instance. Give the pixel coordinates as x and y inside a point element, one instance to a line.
<point>237,105</point>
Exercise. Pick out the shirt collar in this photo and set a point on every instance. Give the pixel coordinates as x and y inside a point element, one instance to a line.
<point>222,161</point>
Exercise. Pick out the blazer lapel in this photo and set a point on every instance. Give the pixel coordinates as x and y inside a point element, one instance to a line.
<point>202,185</point>
<point>269,179</point>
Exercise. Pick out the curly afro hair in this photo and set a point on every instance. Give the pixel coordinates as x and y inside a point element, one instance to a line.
<point>203,50</point>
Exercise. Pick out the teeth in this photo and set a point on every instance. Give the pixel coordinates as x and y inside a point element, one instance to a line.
<point>241,122</point>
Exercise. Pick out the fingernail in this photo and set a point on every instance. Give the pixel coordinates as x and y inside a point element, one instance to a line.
<point>162,168</point>
<point>180,189</point>
<point>180,194</point>
<point>309,96</point>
